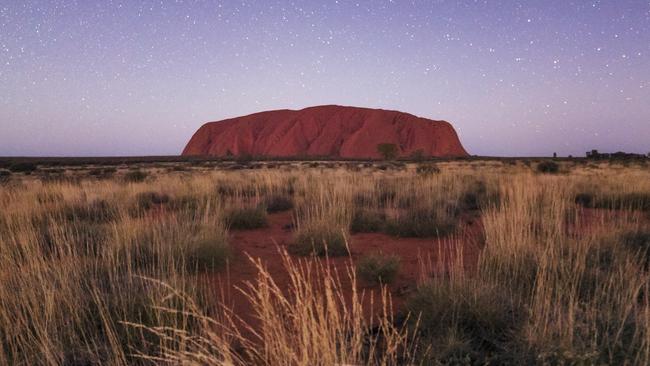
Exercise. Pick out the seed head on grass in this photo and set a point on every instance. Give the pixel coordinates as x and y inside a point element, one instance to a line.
<point>378,268</point>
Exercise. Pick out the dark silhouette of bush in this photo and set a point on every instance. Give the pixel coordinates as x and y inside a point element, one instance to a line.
<point>387,151</point>
<point>278,203</point>
<point>365,221</point>
<point>23,167</point>
<point>5,175</point>
<point>548,167</point>
<point>246,218</point>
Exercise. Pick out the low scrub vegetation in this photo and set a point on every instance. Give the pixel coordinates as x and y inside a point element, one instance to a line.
<point>377,269</point>
<point>320,240</point>
<point>141,268</point>
<point>246,218</point>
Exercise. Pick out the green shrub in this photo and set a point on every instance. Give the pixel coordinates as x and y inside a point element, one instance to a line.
<point>5,176</point>
<point>135,176</point>
<point>377,269</point>
<point>420,224</point>
<point>147,200</point>
<point>584,199</point>
<point>246,218</point>
<point>482,318</point>
<point>548,167</point>
<point>23,167</point>
<point>622,201</point>
<point>366,221</point>
<point>208,252</point>
<point>319,240</point>
<point>278,203</point>
<point>98,211</point>
<point>387,151</point>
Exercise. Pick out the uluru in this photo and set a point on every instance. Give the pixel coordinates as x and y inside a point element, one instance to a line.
<point>325,131</point>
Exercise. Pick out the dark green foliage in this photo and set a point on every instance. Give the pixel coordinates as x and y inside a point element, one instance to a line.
<point>387,151</point>
<point>482,320</point>
<point>366,221</point>
<point>147,200</point>
<point>420,224</point>
<point>584,199</point>
<point>135,176</point>
<point>5,176</point>
<point>23,167</point>
<point>98,211</point>
<point>622,201</point>
<point>548,167</point>
<point>208,253</point>
<point>320,241</point>
<point>377,269</point>
<point>246,218</point>
<point>278,203</point>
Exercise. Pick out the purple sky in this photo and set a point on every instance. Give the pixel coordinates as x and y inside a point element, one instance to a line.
<point>138,78</point>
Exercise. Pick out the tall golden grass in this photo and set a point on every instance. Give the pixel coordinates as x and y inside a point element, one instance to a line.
<point>93,273</point>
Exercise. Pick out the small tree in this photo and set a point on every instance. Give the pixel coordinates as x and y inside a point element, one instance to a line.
<point>387,151</point>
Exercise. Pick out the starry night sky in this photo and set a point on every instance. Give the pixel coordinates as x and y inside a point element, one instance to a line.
<point>515,78</point>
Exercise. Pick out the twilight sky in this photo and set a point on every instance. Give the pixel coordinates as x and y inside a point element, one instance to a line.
<point>515,78</point>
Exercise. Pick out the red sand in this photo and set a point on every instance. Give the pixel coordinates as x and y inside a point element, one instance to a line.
<point>264,243</point>
<point>325,131</point>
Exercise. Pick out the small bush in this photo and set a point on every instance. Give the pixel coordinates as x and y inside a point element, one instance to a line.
<point>278,203</point>
<point>420,224</point>
<point>319,240</point>
<point>378,269</point>
<point>5,176</point>
<point>23,167</point>
<point>548,167</point>
<point>147,200</point>
<point>98,211</point>
<point>208,252</point>
<point>639,243</point>
<point>246,218</point>
<point>624,201</point>
<point>135,176</point>
<point>365,221</point>
<point>482,316</point>
<point>584,199</point>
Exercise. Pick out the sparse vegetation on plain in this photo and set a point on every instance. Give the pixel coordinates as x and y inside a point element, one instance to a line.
<point>520,267</point>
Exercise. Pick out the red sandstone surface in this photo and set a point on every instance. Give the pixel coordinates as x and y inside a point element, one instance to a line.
<point>325,131</point>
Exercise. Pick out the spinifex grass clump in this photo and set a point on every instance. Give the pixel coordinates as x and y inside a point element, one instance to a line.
<point>549,167</point>
<point>615,201</point>
<point>209,250</point>
<point>246,218</point>
<point>420,223</point>
<point>278,203</point>
<point>367,221</point>
<point>320,239</point>
<point>148,200</point>
<point>377,269</point>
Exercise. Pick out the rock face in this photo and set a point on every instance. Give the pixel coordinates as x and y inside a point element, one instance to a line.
<point>325,131</point>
